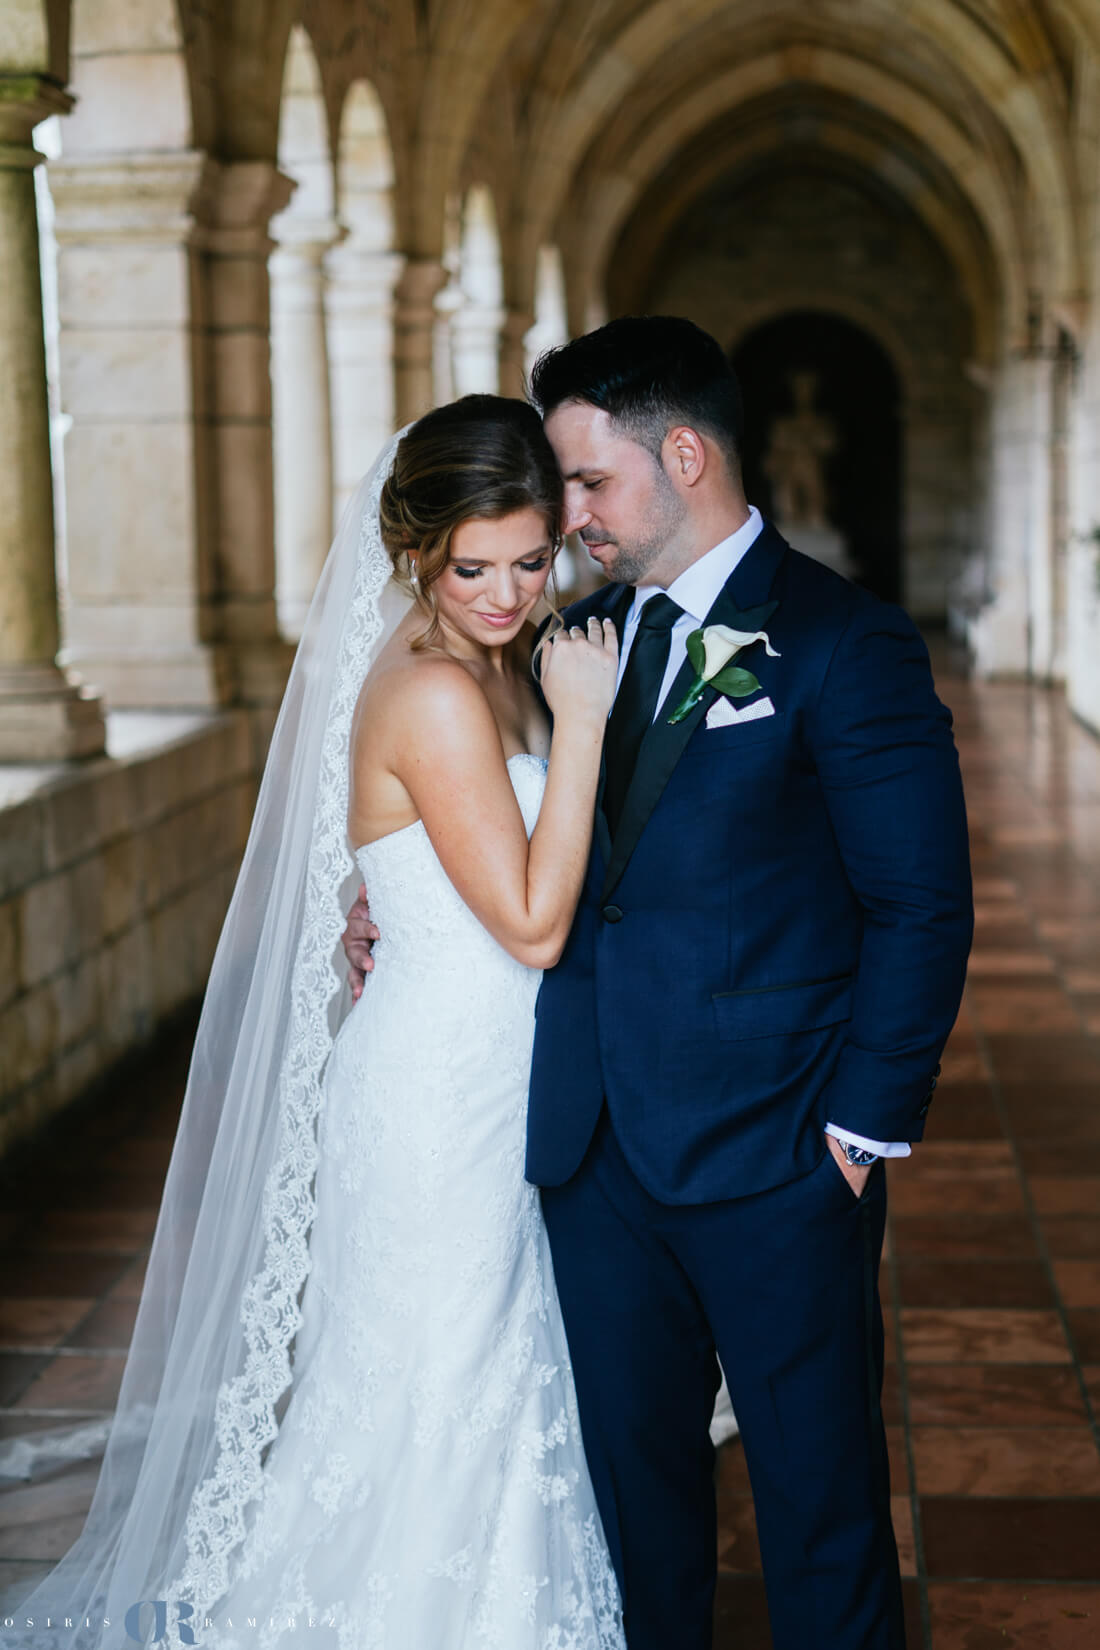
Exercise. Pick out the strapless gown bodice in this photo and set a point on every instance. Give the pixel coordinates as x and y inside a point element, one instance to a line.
<point>425,926</point>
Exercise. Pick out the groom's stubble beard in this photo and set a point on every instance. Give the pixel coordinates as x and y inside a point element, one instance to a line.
<point>665,512</point>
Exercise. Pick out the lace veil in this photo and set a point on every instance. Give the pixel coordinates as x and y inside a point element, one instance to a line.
<point>209,1373</point>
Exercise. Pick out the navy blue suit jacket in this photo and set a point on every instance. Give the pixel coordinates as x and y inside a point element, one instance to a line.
<point>777,936</point>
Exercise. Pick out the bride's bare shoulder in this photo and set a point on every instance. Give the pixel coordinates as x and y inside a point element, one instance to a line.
<point>412,699</point>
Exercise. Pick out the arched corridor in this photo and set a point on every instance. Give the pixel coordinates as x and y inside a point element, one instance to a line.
<point>240,244</point>
<point>276,231</point>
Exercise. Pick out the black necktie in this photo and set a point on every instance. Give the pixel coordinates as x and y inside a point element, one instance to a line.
<point>636,700</point>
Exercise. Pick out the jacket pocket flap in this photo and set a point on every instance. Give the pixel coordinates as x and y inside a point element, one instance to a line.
<point>771,1010</point>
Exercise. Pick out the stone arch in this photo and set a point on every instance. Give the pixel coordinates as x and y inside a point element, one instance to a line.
<point>236,55</point>
<point>551,306</point>
<point>362,271</point>
<point>649,213</point>
<point>1021,103</point>
<point>653,220</point>
<point>301,393</point>
<point>446,303</point>
<point>303,137</point>
<point>365,168</point>
<point>476,324</point>
<point>469,42</point>
<point>920,120</point>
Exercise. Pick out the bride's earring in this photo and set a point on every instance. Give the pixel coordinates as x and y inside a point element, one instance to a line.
<point>414,576</point>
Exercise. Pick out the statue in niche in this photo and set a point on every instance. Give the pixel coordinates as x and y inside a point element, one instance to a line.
<point>799,444</point>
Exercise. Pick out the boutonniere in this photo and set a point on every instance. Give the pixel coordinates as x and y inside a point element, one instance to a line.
<point>711,652</point>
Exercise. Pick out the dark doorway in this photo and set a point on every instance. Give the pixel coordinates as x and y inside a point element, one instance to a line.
<point>857,392</point>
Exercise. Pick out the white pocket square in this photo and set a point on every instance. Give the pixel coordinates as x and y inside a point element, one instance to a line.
<point>722,712</point>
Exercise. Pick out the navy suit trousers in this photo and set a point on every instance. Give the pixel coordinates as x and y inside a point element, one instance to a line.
<point>783,1286</point>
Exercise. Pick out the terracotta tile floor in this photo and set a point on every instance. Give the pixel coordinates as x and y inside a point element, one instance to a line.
<point>991,1282</point>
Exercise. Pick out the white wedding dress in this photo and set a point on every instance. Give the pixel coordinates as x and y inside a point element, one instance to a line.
<point>427,1489</point>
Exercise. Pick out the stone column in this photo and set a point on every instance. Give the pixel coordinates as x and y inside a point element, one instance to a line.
<point>233,207</point>
<point>1012,636</point>
<point>1040,550</point>
<point>44,716</point>
<point>448,302</point>
<point>476,347</point>
<point>360,314</point>
<point>301,413</point>
<point>1083,580</point>
<point>137,579</point>
<point>414,320</point>
<point>513,351</point>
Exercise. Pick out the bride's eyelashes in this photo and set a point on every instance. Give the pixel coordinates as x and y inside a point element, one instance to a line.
<point>524,566</point>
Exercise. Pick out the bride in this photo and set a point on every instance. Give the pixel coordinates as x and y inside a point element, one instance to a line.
<point>348,1418</point>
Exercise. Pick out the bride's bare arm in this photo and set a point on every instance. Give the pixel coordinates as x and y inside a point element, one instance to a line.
<point>448,756</point>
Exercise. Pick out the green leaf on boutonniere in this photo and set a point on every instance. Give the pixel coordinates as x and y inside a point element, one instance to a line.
<point>717,645</point>
<point>734,683</point>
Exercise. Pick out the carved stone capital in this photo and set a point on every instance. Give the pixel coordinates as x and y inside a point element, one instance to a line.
<point>416,289</point>
<point>145,197</point>
<point>234,204</point>
<point>44,717</point>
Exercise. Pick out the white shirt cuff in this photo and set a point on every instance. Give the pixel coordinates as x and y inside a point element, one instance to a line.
<point>881,1148</point>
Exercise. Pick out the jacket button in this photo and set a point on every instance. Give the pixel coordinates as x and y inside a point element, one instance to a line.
<point>612,913</point>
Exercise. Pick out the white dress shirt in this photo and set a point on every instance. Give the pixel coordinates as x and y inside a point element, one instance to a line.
<point>696,590</point>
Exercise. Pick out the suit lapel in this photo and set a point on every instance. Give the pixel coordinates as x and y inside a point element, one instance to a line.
<point>743,605</point>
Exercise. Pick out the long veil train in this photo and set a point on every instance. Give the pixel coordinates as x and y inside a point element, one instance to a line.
<point>209,1363</point>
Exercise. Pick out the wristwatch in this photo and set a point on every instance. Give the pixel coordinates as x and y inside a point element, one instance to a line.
<point>857,1156</point>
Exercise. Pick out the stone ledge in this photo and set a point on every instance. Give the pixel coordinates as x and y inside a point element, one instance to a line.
<point>54,814</point>
<point>115,875</point>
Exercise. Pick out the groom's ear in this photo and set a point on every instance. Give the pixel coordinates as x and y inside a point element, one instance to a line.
<point>684,455</point>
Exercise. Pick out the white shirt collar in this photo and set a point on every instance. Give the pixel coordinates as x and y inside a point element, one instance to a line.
<point>696,590</point>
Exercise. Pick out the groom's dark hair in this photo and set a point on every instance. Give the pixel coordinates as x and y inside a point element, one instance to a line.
<point>649,373</point>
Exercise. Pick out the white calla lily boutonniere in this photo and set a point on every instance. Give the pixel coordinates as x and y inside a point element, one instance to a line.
<point>711,652</point>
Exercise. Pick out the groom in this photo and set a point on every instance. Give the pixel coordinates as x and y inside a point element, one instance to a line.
<point>766,962</point>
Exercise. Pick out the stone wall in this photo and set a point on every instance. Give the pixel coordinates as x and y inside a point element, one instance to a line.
<point>114,879</point>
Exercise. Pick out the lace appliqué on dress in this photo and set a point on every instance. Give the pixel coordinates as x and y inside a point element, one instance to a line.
<point>426,1487</point>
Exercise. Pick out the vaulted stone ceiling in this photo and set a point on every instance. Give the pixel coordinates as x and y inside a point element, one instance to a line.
<point>580,114</point>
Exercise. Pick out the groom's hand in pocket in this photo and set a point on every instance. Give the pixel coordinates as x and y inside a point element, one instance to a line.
<point>854,1173</point>
<point>357,939</point>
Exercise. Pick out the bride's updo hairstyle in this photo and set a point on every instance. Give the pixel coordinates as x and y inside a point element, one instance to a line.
<point>479,458</point>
